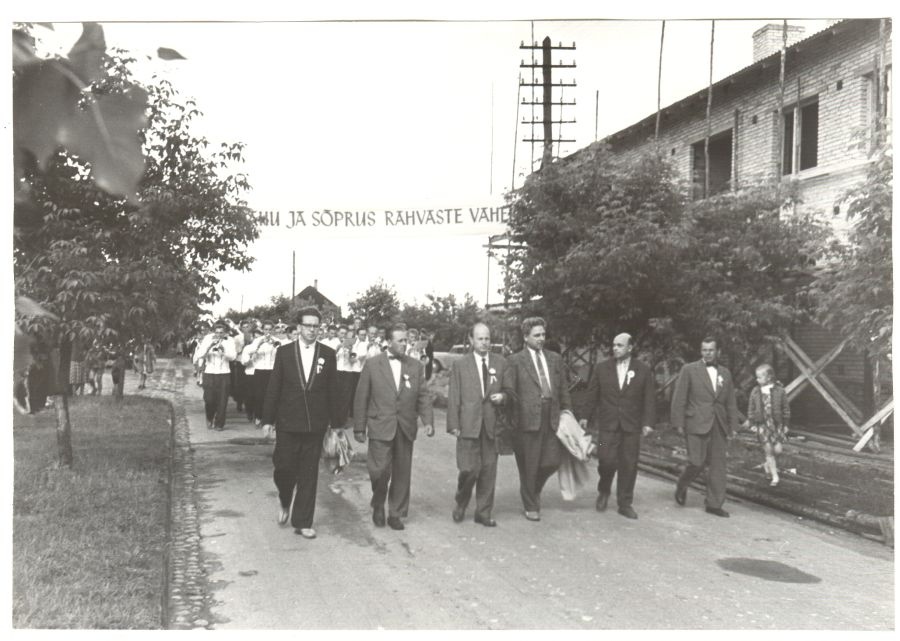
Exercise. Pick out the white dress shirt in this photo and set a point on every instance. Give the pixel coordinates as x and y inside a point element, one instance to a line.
<point>478,359</point>
<point>535,355</point>
<point>217,360</point>
<point>307,355</point>
<point>713,376</point>
<point>622,370</point>
<point>264,352</point>
<point>395,369</point>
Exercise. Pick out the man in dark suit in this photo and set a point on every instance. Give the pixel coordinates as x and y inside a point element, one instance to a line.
<point>704,408</point>
<point>536,382</point>
<point>474,399</point>
<point>622,396</point>
<point>301,401</point>
<point>390,396</point>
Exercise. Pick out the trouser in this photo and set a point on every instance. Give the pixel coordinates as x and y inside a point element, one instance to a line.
<point>618,452</point>
<point>238,384</point>
<point>215,397</point>
<point>707,450</point>
<point>260,382</point>
<point>476,459</point>
<point>347,382</point>
<point>537,457</point>
<point>296,460</point>
<point>390,470</point>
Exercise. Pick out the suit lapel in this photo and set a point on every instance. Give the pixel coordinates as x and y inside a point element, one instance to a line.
<point>299,365</point>
<point>475,370</point>
<point>532,368</point>
<point>386,371</point>
<point>705,374</point>
<point>313,366</point>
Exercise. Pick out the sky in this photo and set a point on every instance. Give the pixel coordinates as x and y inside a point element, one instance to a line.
<point>376,116</point>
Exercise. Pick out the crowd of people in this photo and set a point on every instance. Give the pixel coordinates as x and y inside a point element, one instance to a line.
<point>297,381</point>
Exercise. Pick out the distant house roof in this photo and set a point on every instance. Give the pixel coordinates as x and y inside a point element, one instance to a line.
<point>313,294</point>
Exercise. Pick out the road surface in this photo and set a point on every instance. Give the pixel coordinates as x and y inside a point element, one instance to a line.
<point>675,567</point>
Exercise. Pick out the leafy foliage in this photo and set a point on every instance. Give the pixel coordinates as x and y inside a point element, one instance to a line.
<point>608,244</point>
<point>378,305</point>
<point>854,289</point>
<point>449,319</point>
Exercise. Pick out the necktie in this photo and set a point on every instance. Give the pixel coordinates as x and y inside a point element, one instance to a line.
<point>542,375</point>
<point>484,374</point>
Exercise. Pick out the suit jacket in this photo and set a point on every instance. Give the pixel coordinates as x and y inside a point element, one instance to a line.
<point>467,408</point>
<point>523,386</point>
<point>695,406</point>
<point>294,404</point>
<point>629,408</point>
<point>381,407</point>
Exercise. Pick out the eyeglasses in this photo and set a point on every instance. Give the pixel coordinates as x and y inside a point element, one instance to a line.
<point>309,326</point>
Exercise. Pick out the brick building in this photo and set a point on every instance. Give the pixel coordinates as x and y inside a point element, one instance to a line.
<point>829,106</point>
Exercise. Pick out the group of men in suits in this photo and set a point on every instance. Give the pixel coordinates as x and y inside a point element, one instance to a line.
<point>529,391</point>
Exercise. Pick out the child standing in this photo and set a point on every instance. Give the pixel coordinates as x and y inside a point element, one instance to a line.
<point>769,414</point>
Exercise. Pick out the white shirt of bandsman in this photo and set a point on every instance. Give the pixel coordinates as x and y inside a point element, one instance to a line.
<point>261,352</point>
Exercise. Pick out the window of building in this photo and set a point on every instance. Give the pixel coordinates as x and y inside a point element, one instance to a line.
<point>720,158</point>
<point>800,145</point>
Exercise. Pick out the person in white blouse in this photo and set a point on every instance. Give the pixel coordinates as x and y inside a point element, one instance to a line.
<point>216,351</point>
<point>262,351</point>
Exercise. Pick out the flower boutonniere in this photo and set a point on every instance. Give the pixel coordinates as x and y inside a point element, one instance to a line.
<point>319,364</point>
<point>628,377</point>
<point>493,374</point>
<point>720,381</point>
<point>406,381</point>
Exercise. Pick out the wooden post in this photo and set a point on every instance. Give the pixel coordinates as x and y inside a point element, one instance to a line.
<point>547,69</point>
<point>712,41</point>
<point>779,148</point>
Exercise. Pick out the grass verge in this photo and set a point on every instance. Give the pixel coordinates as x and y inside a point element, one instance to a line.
<point>89,542</point>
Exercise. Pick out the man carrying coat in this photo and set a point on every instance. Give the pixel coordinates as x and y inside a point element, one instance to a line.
<point>704,409</point>
<point>390,396</point>
<point>301,401</point>
<point>623,406</point>
<point>474,400</point>
<point>537,384</point>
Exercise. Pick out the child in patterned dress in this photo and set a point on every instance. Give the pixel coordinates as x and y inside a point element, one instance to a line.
<point>769,414</point>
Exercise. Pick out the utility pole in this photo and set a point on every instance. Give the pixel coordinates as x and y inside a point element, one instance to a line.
<point>547,103</point>
<point>293,272</point>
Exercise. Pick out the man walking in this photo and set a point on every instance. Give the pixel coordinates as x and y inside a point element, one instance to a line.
<point>623,407</point>
<point>704,409</point>
<point>391,394</point>
<point>214,355</point>
<point>301,402</point>
<point>474,399</point>
<point>536,381</point>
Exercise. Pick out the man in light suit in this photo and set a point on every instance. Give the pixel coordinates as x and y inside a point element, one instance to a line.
<point>704,408</point>
<point>390,396</point>
<point>474,399</point>
<point>536,382</point>
<point>623,407</point>
<point>301,401</point>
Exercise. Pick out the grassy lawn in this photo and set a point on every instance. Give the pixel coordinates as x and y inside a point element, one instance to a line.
<point>88,543</point>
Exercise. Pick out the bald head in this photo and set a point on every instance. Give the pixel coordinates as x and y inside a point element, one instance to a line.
<point>622,346</point>
<point>480,337</point>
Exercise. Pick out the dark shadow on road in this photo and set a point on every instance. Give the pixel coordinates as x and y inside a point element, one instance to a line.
<point>768,570</point>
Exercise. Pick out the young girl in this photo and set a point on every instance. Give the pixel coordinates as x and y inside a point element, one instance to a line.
<point>769,414</point>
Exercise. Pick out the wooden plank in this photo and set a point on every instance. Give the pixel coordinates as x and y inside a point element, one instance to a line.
<point>800,383</point>
<point>825,394</point>
<point>869,428</point>
<point>848,405</point>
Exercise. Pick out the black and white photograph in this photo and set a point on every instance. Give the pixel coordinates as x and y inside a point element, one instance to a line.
<point>393,317</point>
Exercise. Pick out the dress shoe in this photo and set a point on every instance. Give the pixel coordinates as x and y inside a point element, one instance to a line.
<point>627,511</point>
<point>680,494</point>
<point>209,425</point>
<point>459,513</point>
<point>717,511</point>
<point>306,532</point>
<point>378,516</point>
<point>486,521</point>
<point>602,500</point>
<point>283,513</point>
<point>395,523</point>
<point>532,516</point>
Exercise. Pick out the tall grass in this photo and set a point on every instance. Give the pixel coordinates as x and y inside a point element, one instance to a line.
<point>89,542</point>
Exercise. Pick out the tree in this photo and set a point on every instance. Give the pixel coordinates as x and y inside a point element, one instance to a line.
<point>854,287</point>
<point>378,305</point>
<point>448,319</point>
<point>610,245</point>
<point>108,268</point>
